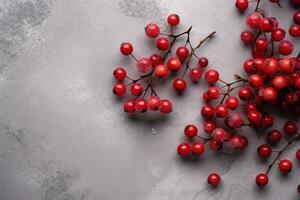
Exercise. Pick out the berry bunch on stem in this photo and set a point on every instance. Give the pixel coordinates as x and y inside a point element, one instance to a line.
<point>158,66</point>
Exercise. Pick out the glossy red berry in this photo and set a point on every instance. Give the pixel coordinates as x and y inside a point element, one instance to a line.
<point>173,19</point>
<point>261,44</point>
<point>179,84</point>
<point>247,37</point>
<point>184,149</point>
<point>267,25</point>
<point>161,71</point>
<point>126,48</point>
<point>120,73</point>
<point>235,120</point>
<point>298,154</point>
<point>213,179</point>
<point>287,65</point>
<point>267,120</point>
<point>232,102</point>
<point>242,5</point>
<point>213,92</point>
<point>119,89</point>
<point>238,141</point>
<point>129,106</point>
<point>215,146</point>
<point>136,89</point>
<point>254,117</point>
<point>141,105</point>
<point>294,30</point>
<point>269,94</point>
<point>245,93</point>
<point>207,111</point>
<point>163,43</point>
<point>285,166</point>
<point>274,136</point>
<point>182,52</point>
<point>264,150</point>
<point>285,47</point>
<point>203,62</point>
<point>279,82</point>
<point>154,103</point>
<point>195,74</point>
<point>297,17</point>
<point>254,20</point>
<point>144,65</point>
<point>166,106</point>
<point>212,76</point>
<point>174,64</point>
<point>198,148</point>
<point>262,179</point>
<point>290,127</point>
<point>270,66</point>
<point>249,107</point>
<point>278,34</point>
<point>221,111</point>
<point>220,135</point>
<point>156,60</point>
<point>256,80</point>
<point>191,130</point>
<point>209,126</point>
<point>152,30</point>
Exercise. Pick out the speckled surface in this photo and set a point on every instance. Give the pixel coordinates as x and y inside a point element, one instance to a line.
<point>64,136</point>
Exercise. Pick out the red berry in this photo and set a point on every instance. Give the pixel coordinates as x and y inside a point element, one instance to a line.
<point>166,106</point>
<point>213,92</point>
<point>173,20</point>
<point>182,53</point>
<point>261,44</point>
<point>254,117</point>
<point>156,60</point>
<point>294,30</point>
<point>152,30</point>
<point>207,111</point>
<point>154,103</point>
<point>274,136</point>
<point>136,89</point>
<point>267,25</point>
<point>203,62</point>
<point>287,65</point>
<point>278,34</point>
<point>242,5</point>
<point>245,93</point>
<point>235,120</point>
<point>238,141</point>
<point>161,71</point>
<point>291,98</point>
<point>215,146</point>
<point>249,107</point>
<point>129,106</point>
<point>220,135</point>
<point>179,84</point>
<point>254,20</point>
<point>232,102</point>
<point>120,73</point>
<point>249,66</point>
<point>212,76</point>
<point>264,150</point>
<point>209,126</point>
<point>262,179</point>
<point>221,111</point>
<point>184,149</point>
<point>144,65</point>
<point>119,89</point>
<point>174,64</point>
<point>290,127</point>
<point>298,154</point>
<point>126,48</point>
<point>163,43</point>
<point>256,80</point>
<point>285,166</point>
<point>191,130</point>
<point>285,47</point>
<point>141,105</point>
<point>198,148</point>
<point>214,179</point>
<point>270,66</point>
<point>195,74</point>
<point>297,17</point>
<point>279,82</point>
<point>267,120</point>
<point>247,37</point>
<point>269,94</point>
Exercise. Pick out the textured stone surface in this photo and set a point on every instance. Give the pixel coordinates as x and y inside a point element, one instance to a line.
<point>63,136</point>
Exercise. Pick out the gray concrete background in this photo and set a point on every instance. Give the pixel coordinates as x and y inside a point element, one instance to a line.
<point>64,136</point>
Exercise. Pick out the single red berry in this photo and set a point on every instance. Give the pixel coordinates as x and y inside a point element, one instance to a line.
<point>184,149</point>
<point>120,73</point>
<point>166,106</point>
<point>269,94</point>
<point>287,65</point>
<point>270,66</point>
<point>220,135</point>
<point>267,25</point>
<point>191,130</point>
<point>212,76</point>
<point>254,20</point>
<point>179,84</point>
<point>221,111</point>
<point>258,63</point>
<point>285,47</point>
<point>254,117</point>
<point>215,146</point>
<point>195,74</point>
<point>129,106</point>
<point>264,150</point>
<point>126,48</point>
<point>290,127</point>
<point>285,166</point>
<point>144,65</point>
<point>242,5</point>
<point>203,62</point>
<point>163,43</point>
<point>297,17</point>
<point>207,111</point>
<point>152,30</point>
<point>161,71</point>
<point>279,82</point>
<point>136,89</point>
<point>156,60</point>
<point>249,107</point>
<point>154,103</point>
<point>261,44</point>
<point>249,66</point>
<point>198,148</point>
<point>119,89</point>
<point>232,102</point>
<point>238,141</point>
<point>209,126</point>
<point>174,64</point>
<point>274,136</point>
<point>173,19</point>
<point>267,120</point>
<point>278,34</point>
<point>256,80</point>
<point>245,93</point>
<point>182,52</point>
<point>213,179</point>
<point>206,97</point>
<point>213,92</point>
<point>291,98</point>
<point>294,30</point>
<point>298,154</point>
<point>247,37</point>
<point>262,179</point>
<point>235,120</point>
<point>141,105</point>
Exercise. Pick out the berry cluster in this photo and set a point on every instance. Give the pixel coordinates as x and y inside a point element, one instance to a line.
<point>158,66</point>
